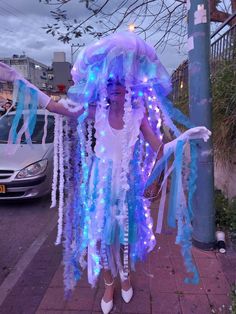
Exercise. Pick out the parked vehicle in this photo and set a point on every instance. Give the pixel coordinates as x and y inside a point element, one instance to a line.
<point>27,173</point>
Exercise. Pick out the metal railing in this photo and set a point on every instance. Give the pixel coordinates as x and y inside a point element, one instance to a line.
<point>223,49</point>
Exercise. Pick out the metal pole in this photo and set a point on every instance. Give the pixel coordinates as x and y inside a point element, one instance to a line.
<point>201,114</point>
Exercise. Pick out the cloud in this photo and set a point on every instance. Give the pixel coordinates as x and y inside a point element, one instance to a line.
<point>36,45</point>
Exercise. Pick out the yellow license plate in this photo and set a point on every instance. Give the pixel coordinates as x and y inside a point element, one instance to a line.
<point>2,188</point>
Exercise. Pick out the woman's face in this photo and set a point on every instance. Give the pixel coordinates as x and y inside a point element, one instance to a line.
<point>116,90</point>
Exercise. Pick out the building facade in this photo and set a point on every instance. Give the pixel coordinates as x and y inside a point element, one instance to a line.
<point>32,70</point>
<point>59,76</point>
<point>54,80</point>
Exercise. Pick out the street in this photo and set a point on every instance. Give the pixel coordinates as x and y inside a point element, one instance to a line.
<point>20,224</point>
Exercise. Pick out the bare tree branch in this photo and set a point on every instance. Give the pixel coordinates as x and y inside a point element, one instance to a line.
<point>150,17</point>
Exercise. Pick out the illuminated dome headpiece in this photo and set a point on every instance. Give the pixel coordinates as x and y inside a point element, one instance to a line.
<point>121,55</point>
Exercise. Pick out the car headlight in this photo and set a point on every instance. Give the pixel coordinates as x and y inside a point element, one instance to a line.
<point>33,170</point>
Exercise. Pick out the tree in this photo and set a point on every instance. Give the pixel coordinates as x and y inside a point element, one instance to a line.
<point>164,21</point>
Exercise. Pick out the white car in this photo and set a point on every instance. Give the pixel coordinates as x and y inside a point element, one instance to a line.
<point>27,173</point>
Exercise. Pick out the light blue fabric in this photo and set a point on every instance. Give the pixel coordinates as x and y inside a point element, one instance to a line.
<point>20,100</point>
<point>33,110</point>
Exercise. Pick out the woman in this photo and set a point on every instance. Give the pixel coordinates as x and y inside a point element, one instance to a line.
<point>121,86</point>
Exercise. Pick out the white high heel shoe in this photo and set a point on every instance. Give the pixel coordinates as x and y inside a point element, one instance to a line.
<point>126,295</point>
<point>107,306</point>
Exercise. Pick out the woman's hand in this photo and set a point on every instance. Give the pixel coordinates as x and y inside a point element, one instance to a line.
<point>8,74</point>
<point>196,133</point>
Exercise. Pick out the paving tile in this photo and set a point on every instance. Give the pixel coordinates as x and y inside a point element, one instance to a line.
<point>53,299</point>
<point>82,299</point>
<point>139,304</point>
<point>203,254</point>
<point>230,277</point>
<point>163,281</point>
<point>220,303</point>
<point>166,303</point>
<point>195,304</point>
<point>140,280</point>
<point>208,267</point>
<point>224,261</point>
<point>232,261</point>
<point>175,250</point>
<point>158,261</point>
<point>188,288</point>
<point>178,264</point>
<point>216,285</point>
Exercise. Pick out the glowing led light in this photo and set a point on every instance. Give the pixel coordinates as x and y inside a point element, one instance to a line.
<point>149,98</point>
<point>142,170</point>
<point>150,226</point>
<point>102,149</point>
<point>102,133</point>
<point>145,242</point>
<point>146,215</point>
<point>145,79</point>
<point>152,237</point>
<point>159,123</point>
<point>146,144</point>
<point>140,93</point>
<point>150,106</point>
<point>92,243</point>
<point>95,258</point>
<point>131,27</point>
<point>161,136</point>
<point>92,77</point>
<point>150,89</point>
<point>149,119</point>
<point>154,97</point>
<point>157,109</point>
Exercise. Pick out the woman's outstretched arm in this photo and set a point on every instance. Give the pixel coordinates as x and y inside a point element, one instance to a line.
<point>58,107</point>
<point>149,135</point>
<point>10,74</point>
<point>196,133</point>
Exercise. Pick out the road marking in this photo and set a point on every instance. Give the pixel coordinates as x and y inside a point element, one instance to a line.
<point>24,261</point>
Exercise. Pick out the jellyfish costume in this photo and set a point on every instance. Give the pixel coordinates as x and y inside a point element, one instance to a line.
<point>102,210</point>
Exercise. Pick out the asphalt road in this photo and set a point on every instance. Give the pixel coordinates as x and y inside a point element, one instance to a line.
<point>20,224</point>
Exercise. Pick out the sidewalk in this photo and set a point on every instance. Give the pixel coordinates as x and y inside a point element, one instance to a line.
<point>158,284</point>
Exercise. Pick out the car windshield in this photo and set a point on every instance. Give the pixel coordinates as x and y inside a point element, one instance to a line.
<point>6,123</point>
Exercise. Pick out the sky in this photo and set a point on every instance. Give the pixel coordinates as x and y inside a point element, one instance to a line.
<point>21,33</point>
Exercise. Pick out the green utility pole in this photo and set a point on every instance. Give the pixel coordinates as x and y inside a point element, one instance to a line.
<point>201,114</point>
